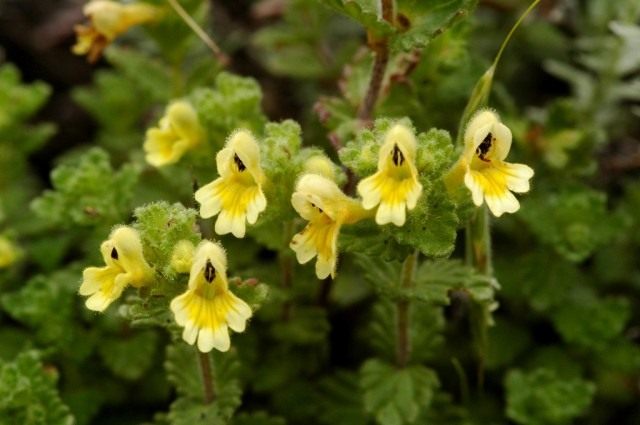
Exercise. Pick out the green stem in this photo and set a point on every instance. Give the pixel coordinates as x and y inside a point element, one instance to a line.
<point>512,31</point>
<point>403,321</point>
<point>478,251</point>
<point>207,377</point>
<point>286,267</point>
<point>462,380</point>
<point>222,58</point>
<point>480,93</point>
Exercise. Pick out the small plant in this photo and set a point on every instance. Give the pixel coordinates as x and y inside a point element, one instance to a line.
<point>423,236</point>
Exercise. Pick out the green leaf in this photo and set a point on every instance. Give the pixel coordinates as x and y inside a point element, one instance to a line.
<point>257,418</point>
<point>307,326</point>
<point>423,20</point>
<point>185,411</point>
<point>607,320</point>
<point>282,161</point>
<point>540,278</point>
<point>131,356</point>
<point>234,102</point>
<point>110,94</point>
<point>629,35</point>
<point>161,227</point>
<point>18,101</point>
<point>426,324</point>
<point>541,397</point>
<point>435,279</point>
<point>396,396</point>
<point>364,12</point>
<point>580,222</point>
<point>46,305</point>
<point>250,291</point>
<point>309,42</point>
<point>339,400</point>
<point>151,77</point>
<point>87,192</point>
<point>28,394</point>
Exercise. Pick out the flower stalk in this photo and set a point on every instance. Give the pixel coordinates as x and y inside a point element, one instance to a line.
<point>221,57</point>
<point>403,320</point>
<point>207,377</point>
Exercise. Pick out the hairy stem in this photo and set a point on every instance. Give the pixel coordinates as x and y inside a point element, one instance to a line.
<point>478,252</point>
<point>403,337</point>
<point>207,377</point>
<point>380,46</point>
<point>286,266</point>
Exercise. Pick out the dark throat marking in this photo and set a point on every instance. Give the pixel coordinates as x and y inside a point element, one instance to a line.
<point>483,148</point>
<point>239,162</point>
<point>396,156</point>
<point>114,254</point>
<point>315,206</point>
<point>209,272</point>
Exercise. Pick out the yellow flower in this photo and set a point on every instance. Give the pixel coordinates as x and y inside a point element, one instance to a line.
<point>107,20</point>
<point>178,131</point>
<point>395,185</point>
<point>208,308</point>
<point>237,194</point>
<point>487,175</point>
<point>125,265</point>
<point>8,252</point>
<point>320,201</point>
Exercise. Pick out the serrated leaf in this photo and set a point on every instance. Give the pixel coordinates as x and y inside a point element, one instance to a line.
<point>427,19</point>
<point>307,326</point>
<point>234,102</point>
<point>541,397</point>
<point>148,75</point>
<point>257,418</point>
<point>580,222</point>
<point>45,304</point>
<point>28,394</point>
<point>431,227</point>
<point>426,324</point>
<point>131,356</point>
<point>18,101</point>
<point>542,278</point>
<point>396,396</point>
<point>607,319</point>
<point>309,42</point>
<point>87,191</point>
<point>435,279</point>
<point>364,12</point>
<point>161,227</point>
<point>340,401</point>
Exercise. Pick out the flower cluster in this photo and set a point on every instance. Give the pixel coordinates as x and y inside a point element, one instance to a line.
<point>206,310</point>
